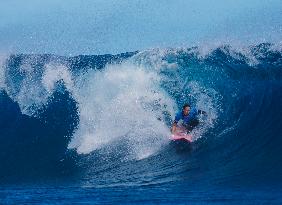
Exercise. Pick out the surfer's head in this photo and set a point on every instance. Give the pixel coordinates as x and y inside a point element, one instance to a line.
<point>186,109</point>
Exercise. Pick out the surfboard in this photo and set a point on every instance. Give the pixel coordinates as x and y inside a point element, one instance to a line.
<point>181,135</point>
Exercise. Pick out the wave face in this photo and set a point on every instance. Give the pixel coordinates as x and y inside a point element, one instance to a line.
<point>104,121</point>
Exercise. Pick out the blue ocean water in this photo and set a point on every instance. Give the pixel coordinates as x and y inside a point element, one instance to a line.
<point>95,129</point>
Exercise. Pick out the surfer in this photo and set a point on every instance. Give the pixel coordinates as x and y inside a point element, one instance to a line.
<point>189,118</point>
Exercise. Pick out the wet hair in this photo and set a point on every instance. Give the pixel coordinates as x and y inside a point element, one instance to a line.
<point>185,105</point>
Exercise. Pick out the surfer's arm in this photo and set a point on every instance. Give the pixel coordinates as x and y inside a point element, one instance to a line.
<point>173,128</point>
<point>174,124</point>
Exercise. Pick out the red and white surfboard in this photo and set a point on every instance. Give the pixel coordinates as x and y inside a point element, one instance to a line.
<point>181,135</point>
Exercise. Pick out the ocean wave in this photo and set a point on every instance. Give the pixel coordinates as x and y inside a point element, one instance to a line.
<point>108,117</point>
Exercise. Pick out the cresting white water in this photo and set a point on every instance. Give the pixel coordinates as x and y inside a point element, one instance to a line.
<point>122,101</point>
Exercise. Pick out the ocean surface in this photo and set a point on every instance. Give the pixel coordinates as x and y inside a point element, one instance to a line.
<point>94,129</point>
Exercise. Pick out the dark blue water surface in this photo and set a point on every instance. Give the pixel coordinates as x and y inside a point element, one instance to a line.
<point>235,159</point>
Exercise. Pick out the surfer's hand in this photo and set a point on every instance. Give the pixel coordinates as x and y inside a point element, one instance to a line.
<point>173,129</point>
<point>202,112</point>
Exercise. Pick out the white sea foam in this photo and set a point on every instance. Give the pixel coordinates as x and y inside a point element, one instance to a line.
<point>55,73</point>
<point>121,102</point>
<point>36,89</point>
